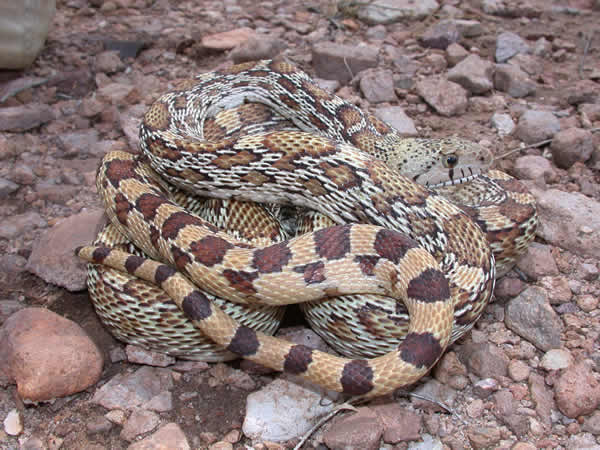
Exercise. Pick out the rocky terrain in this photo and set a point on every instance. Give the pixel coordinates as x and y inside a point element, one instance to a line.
<point>522,78</point>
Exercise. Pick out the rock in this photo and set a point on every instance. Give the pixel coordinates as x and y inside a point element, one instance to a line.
<point>21,224</point>
<point>558,289</point>
<point>587,302</point>
<point>132,390</point>
<point>7,187</point>
<point>397,118</point>
<point>518,371</point>
<point>283,410</point>
<point>451,371</point>
<point>160,403</point>
<point>569,220</point>
<point>399,424</point>
<point>542,397</point>
<point>572,145</point>
<point>440,35</point>
<point>473,73</point>
<point>509,44</point>
<point>556,359</point>
<point>590,110</point>
<point>360,430</point>
<point>390,11</point>
<point>469,28</point>
<point>503,123</point>
<point>507,8</point>
<point>53,255</point>
<point>109,62</point>
<point>512,80</point>
<point>446,97</point>
<point>24,117</point>
<point>485,360</point>
<point>577,391</point>
<point>167,436</point>
<point>583,91</point>
<point>483,437</point>
<point>47,355</point>
<point>13,423</point>
<point>342,62</point>
<point>455,53</point>
<point>79,143</point>
<point>434,390</point>
<point>257,47</point>
<point>530,316</point>
<point>427,443</point>
<point>592,423</point>
<point>140,421</point>
<point>378,86</point>
<point>534,126</point>
<point>139,355</point>
<point>119,94</point>
<point>538,261</point>
<point>486,387</point>
<point>531,167</point>
<point>227,39</point>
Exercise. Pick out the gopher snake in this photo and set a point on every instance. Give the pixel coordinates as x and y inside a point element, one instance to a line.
<point>438,263</point>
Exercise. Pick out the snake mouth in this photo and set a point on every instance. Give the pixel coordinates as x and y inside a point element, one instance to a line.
<point>464,178</point>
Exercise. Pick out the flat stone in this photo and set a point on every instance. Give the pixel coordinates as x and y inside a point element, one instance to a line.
<point>13,423</point>
<point>227,39</point>
<point>446,97</point>
<point>455,53</point>
<point>283,410</point>
<point>131,390</point>
<point>257,47</point>
<point>474,74</point>
<point>378,86</point>
<point>362,429</point>
<point>577,391</point>
<point>25,117</point>
<point>140,421</point>
<point>535,126</point>
<point>399,424</point>
<point>556,359</point>
<point>53,255</point>
<point>512,80</point>
<point>342,62</point>
<point>485,360</point>
<point>538,262</point>
<point>139,355</point>
<point>440,35</point>
<point>531,167</point>
<point>530,316</point>
<point>166,437</point>
<point>542,397</point>
<point>583,91</point>
<point>508,44</point>
<point>569,220</point>
<point>390,11</point>
<point>47,355</point>
<point>397,118</point>
<point>503,123</point>
<point>572,145</point>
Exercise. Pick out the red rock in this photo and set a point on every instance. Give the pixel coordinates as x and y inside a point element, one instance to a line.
<point>577,391</point>
<point>47,355</point>
<point>360,430</point>
<point>228,39</point>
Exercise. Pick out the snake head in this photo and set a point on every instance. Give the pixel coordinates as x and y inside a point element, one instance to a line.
<point>443,162</point>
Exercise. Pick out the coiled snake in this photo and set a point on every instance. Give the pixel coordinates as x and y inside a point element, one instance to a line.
<point>392,236</point>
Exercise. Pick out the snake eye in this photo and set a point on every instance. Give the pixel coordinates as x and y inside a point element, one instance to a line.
<point>450,161</point>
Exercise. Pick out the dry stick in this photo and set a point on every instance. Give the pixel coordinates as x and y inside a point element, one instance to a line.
<point>586,48</point>
<point>534,145</point>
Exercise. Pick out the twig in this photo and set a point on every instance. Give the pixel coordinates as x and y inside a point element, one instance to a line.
<point>586,48</point>
<point>437,402</point>
<point>534,145</point>
<point>343,407</point>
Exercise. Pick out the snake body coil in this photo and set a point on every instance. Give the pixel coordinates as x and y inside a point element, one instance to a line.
<point>392,237</point>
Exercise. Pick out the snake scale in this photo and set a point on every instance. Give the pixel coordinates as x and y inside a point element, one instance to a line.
<point>392,236</point>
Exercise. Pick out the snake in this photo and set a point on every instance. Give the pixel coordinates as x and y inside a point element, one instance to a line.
<point>391,234</point>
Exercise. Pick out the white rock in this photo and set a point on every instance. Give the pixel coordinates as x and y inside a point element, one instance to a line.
<point>556,359</point>
<point>13,424</point>
<point>284,410</point>
<point>503,123</point>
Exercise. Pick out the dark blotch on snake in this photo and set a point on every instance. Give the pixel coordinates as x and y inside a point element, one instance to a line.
<point>244,342</point>
<point>392,245</point>
<point>420,349</point>
<point>271,259</point>
<point>241,280</point>
<point>333,242</point>
<point>100,253</point>
<point>357,377</point>
<point>163,273</point>
<point>196,306</point>
<point>429,286</point>
<point>298,359</point>
<point>210,250</point>
<point>133,262</point>
<point>313,272</point>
